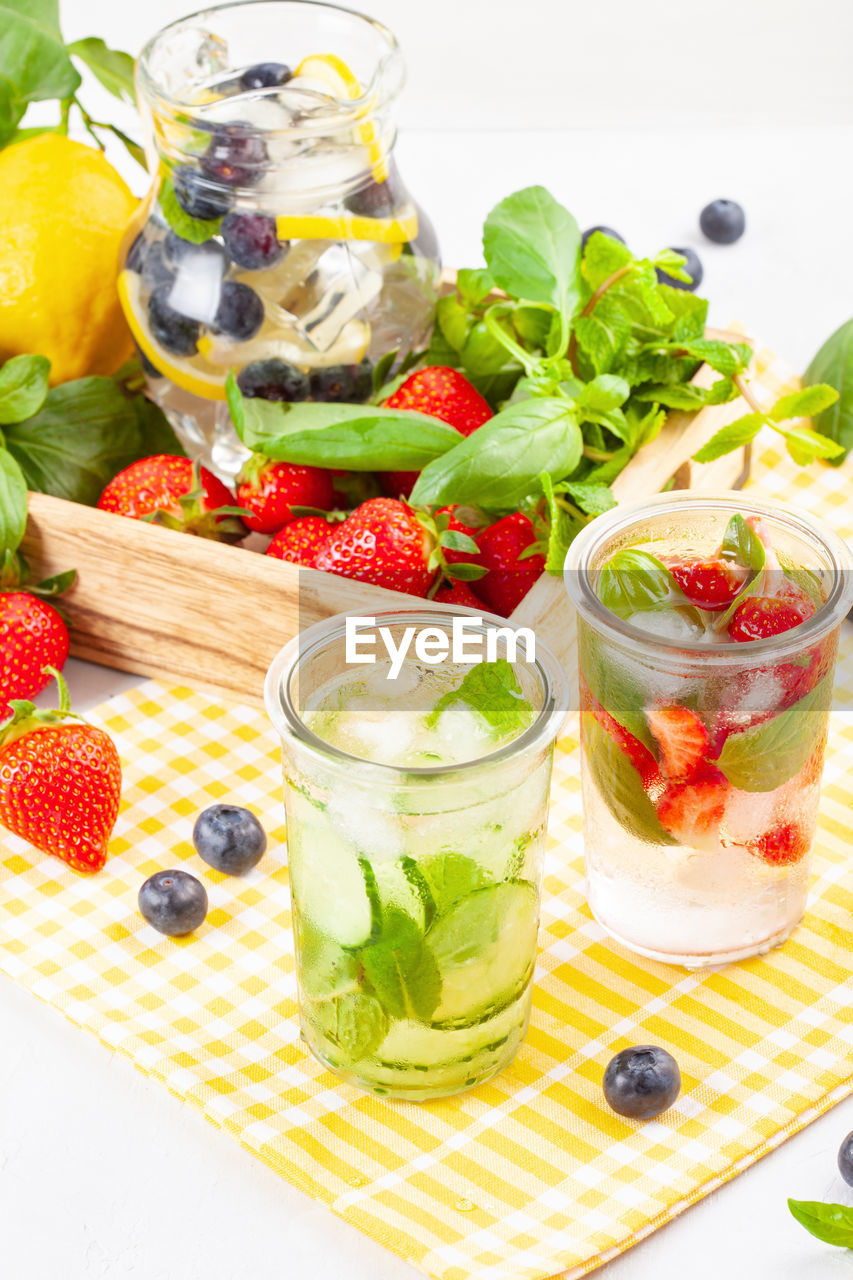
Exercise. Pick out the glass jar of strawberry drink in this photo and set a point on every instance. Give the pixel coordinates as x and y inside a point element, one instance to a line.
<point>278,240</point>
<point>707,631</point>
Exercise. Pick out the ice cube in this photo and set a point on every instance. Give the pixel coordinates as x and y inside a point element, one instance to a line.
<point>374,833</point>
<point>385,737</point>
<point>674,625</point>
<point>197,286</point>
<point>461,733</point>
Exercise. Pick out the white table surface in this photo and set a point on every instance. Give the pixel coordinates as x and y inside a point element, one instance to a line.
<point>102,1172</point>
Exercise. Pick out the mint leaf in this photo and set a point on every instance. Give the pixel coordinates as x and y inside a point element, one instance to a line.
<point>401,969</point>
<point>491,689</point>
<point>532,247</point>
<point>804,445</point>
<point>356,1023</point>
<point>23,387</point>
<point>13,505</point>
<point>731,437</point>
<point>193,229</point>
<point>768,754</point>
<point>562,528</point>
<point>619,783</point>
<point>114,69</point>
<point>352,436</point>
<point>634,581</point>
<point>603,336</point>
<point>803,404</point>
<point>603,393</point>
<point>833,364</point>
<point>603,257</point>
<point>499,464</point>
<point>451,876</point>
<point>593,499</point>
<point>831,1223</point>
<point>474,284</point>
<point>688,397</point>
<point>672,262</point>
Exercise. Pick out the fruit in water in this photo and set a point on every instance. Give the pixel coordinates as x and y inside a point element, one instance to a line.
<point>235,156</point>
<point>783,845</point>
<point>173,331</point>
<point>382,542</point>
<point>177,493</point>
<point>693,267</point>
<point>682,738</point>
<point>63,216</point>
<point>376,200</point>
<point>174,902</point>
<point>251,240</point>
<point>761,617</point>
<point>273,379</point>
<point>229,838</point>
<point>198,197</point>
<point>240,313</point>
<point>637,752</point>
<point>708,584</point>
<point>265,75</point>
<point>350,383</point>
<point>508,579</point>
<point>60,783</point>
<point>268,490</point>
<point>723,221</point>
<point>845,1159</point>
<point>642,1082</point>
<point>300,540</point>
<point>693,811</point>
<point>606,231</point>
<point>32,637</point>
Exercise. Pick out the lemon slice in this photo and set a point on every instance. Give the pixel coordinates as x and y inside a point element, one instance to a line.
<point>343,84</point>
<point>183,372</point>
<point>349,226</point>
<point>349,348</point>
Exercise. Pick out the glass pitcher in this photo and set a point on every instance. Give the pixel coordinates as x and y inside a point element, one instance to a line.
<point>278,240</point>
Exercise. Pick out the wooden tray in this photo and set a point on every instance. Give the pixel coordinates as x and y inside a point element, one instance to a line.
<point>160,603</point>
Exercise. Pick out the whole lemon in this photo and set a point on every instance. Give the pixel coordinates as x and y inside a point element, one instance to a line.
<point>63,214</point>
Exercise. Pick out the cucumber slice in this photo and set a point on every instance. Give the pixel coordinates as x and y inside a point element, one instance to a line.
<point>418,1047</point>
<point>332,886</point>
<point>485,949</point>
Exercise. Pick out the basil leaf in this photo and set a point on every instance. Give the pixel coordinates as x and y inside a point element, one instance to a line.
<point>492,690</point>
<point>23,387</point>
<point>155,430</point>
<point>354,437</point>
<point>34,63</point>
<point>833,364</point>
<point>499,464</point>
<point>85,432</point>
<point>619,783</point>
<point>13,505</point>
<point>474,284</point>
<point>613,687</point>
<point>741,542</point>
<point>768,754</point>
<point>831,1223</point>
<point>532,247</point>
<point>634,581</point>
<point>482,354</point>
<point>731,437</point>
<point>195,230</point>
<point>114,69</point>
<point>452,319</point>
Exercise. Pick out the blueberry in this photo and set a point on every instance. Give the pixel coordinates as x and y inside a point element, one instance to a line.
<point>723,221</point>
<point>273,380</point>
<point>236,155</point>
<point>179,252</point>
<point>240,313</point>
<point>642,1082</point>
<point>845,1159</point>
<point>377,199</point>
<point>251,240</point>
<point>156,268</point>
<point>198,197</point>
<point>229,838</point>
<point>174,902</point>
<point>173,331</point>
<point>149,369</point>
<point>692,266</point>
<point>265,75</point>
<point>607,231</point>
<point>342,382</point>
<point>137,253</point>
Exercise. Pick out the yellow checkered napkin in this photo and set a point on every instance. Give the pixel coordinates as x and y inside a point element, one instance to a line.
<point>527,1176</point>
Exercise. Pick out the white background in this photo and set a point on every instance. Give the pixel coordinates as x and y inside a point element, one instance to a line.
<point>635,113</point>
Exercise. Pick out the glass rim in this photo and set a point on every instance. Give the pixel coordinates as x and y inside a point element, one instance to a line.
<point>288,722</point>
<point>579,588</point>
<point>369,101</point>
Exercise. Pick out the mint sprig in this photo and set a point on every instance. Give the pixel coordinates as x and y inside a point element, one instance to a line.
<point>492,689</point>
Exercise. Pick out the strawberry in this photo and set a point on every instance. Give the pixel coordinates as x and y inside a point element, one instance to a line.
<point>32,637</point>
<point>761,617</point>
<point>269,490</point>
<point>60,783</point>
<point>708,584</point>
<point>682,738</point>
<point>508,579</point>
<point>636,751</point>
<point>382,542</point>
<point>442,393</point>
<point>457,593</point>
<point>782,845</point>
<point>693,811</point>
<point>176,493</point>
<point>300,540</point>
